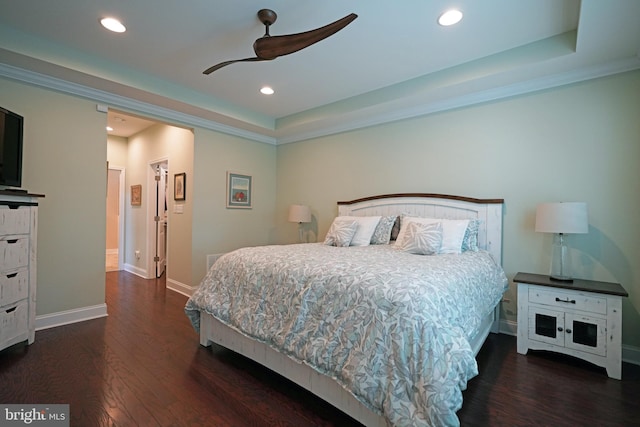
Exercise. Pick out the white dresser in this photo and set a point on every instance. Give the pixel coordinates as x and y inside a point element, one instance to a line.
<point>18,239</point>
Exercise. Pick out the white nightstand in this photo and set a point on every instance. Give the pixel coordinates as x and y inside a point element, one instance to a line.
<point>582,318</point>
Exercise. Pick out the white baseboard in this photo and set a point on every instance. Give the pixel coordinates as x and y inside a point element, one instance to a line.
<point>508,327</point>
<point>180,288</point>
<point>61,318</point>
<point>631,354</point>
<point>136,270</point>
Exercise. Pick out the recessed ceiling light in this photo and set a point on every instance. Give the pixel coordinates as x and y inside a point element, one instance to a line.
<point>113,24</point>
<point>266,90</point>
<point>450,17</point>
<point>109,128</point>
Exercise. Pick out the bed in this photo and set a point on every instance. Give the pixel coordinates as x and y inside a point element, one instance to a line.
<point>375,334</point>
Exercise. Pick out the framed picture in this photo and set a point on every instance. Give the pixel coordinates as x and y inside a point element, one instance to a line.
<point>136,195</point>
<point>179,186</point>
<point>238,191</point>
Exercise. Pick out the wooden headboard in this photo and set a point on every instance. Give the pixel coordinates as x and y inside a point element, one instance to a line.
<point>489,211</point>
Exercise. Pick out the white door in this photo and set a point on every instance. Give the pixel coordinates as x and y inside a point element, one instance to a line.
<point>160,219</point>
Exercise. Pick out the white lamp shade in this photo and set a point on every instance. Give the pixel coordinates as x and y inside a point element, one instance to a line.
<point>562,217</point>
<point>299,213</point>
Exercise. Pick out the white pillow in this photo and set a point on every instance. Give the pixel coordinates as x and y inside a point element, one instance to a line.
<point>453,231</point>
<point>422,239</point>
<point>341,232</point>
<point>366,227</point>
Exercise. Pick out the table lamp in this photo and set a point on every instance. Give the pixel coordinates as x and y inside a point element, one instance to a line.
<point>561,218</point>
<point>299,214</point>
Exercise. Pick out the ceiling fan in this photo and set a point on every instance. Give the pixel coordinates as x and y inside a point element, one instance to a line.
<point>270,47</point>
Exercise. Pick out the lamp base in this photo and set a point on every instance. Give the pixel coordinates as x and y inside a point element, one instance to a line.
<point>566,279</point>
<point>560,260</point>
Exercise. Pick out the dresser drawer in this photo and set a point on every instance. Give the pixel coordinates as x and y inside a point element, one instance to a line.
<point>14,252</point>
<point>13,320</point>
<point>574,300</point>
<point>14,286</point>
<point>14,221</point>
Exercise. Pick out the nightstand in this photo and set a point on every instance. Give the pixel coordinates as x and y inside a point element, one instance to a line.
<point>582,318</point>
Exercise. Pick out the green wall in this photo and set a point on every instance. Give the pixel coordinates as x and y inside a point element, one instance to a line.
<point>65,153</point>
<point>574,143</point>
<point>578,142</point>
<point>217,229</point>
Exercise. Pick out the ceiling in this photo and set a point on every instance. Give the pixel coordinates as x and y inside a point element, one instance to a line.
<point>393,62</point>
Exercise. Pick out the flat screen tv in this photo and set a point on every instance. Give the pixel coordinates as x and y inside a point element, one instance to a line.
<point>11,125</point>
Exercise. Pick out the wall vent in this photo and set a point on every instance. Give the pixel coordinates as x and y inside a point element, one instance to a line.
<point>211,258</point>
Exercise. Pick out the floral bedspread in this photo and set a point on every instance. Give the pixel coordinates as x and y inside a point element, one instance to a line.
<point>391,327</point>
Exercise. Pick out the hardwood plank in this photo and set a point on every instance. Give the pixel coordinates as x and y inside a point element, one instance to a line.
<point>143,365</point>
<point>543,388</point>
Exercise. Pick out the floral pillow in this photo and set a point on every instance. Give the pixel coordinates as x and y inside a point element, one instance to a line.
<point>470,240</point>
<point>422,239</point>
<point>382,233</point>
<point>453,232</point>
<point>341,232</point>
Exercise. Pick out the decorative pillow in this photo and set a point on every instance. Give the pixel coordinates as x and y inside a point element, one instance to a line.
<point>405,220</point>
<point>396,229</point>
<point>341,232</point>
<point>366,226</point>
<point>470,240</point>
<point>422,239</point>
<point>453,231</point>
<point>382,233</point>
<point>452,235</point>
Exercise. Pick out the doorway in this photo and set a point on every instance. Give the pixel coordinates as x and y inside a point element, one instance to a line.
<point>114,259</point>
<point>160,172</point>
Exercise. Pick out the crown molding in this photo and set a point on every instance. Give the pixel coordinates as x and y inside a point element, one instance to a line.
<point>357,119</point>
<point>122,102</point>
<point>350,123</point>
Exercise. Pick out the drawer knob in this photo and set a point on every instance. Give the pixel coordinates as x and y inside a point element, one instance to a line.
<point>568,301</point>
<point>568,331</point>
<point>559,328</point>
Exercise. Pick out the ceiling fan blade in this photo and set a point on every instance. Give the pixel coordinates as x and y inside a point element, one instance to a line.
<point>271,47</point>
<point>225,63</point>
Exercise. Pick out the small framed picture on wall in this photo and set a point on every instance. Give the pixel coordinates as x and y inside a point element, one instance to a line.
<point>238,191</point>
<point>136,195</point>
<point>179,186</point>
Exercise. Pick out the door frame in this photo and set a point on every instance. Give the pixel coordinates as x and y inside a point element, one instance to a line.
<point>121,213</point>
<point>151,225</point>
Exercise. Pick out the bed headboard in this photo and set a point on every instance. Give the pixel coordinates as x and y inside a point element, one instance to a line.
<point>489,211</point>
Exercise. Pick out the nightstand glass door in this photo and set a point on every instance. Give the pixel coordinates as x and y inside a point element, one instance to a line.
<point>585,333</point>
<point>546,326</point>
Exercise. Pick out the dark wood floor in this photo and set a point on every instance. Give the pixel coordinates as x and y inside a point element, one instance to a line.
<point>143,365</point>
